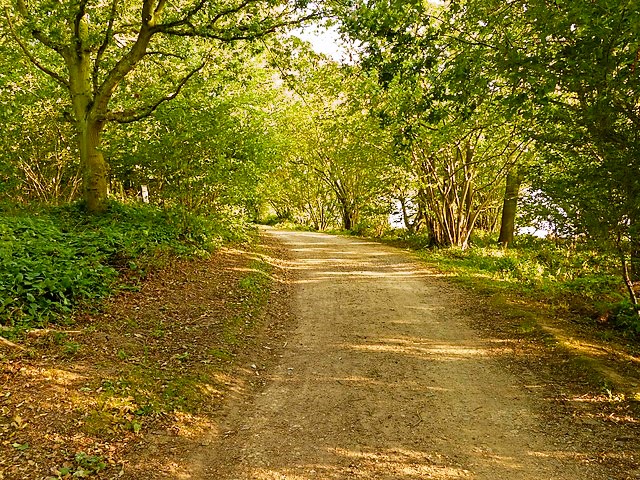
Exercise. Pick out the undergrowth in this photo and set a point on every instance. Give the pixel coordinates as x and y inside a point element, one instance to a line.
<point>54,259</point>
<point>150,389</point>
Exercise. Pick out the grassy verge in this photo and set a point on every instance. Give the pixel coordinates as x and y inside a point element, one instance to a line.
<point>573,279</point>
<point>148,386</point>
<point>55,259</point>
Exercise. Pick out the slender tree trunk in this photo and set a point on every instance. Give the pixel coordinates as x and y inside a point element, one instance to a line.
<point>348,212</point>
<point>634,247</point>
<point>627,280</point>
<point>509,207</point>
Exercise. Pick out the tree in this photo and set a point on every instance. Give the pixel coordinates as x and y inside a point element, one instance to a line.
<point>37,161</point>
<point>335,143</point>
<point>444,107</point>
<point>143,54</point>
<point>575,65</point>
<point>509,206</point>
<point>217,165</point>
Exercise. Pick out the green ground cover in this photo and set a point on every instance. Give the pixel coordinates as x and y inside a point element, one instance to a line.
<point>54,259</point>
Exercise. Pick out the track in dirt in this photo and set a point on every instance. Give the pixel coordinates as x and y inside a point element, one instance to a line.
<point>383,378</point>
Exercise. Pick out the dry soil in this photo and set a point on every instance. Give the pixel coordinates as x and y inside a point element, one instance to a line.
<point>384,377</point>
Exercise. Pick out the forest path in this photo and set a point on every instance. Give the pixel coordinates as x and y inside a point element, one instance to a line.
<point>383,378</point>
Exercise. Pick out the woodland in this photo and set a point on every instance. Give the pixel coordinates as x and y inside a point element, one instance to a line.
<point>505,136</point>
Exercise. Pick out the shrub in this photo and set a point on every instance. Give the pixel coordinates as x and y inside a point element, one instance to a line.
<point>624,315</point>
<point>55,259</point>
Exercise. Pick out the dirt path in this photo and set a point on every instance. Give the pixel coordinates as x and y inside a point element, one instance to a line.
<point>384,379</point>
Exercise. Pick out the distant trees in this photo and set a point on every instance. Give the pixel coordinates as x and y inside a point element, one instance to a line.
<point>338,153</point>
<point>562,76</point>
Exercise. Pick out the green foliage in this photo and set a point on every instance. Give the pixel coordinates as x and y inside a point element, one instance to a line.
<point>84,465</point>
<point>626,316</point>
<point>219,163</point>
<point>549,88</point>
<point>337,156</point>
<point>454,141</point>
<point>257,281</point>
<point>71,348</point>
<point>55,259</point>
<point>102,78</point>
<point>37,159</point>
<point>90,463</point>
<point>44,271</point>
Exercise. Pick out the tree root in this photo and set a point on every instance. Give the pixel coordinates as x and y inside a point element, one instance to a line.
<point>7,343</point>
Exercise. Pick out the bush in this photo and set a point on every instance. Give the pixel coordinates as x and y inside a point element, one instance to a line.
<point>45,271</point>
<point>624,316</point>
<point>55,259</point>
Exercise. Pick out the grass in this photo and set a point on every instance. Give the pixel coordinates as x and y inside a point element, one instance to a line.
<point>572,278</point>
<point>188,382</point>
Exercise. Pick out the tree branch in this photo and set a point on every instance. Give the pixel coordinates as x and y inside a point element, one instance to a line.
<point>186,20</point>
<point>47,42</point>
<point>166,54</point>
<point>159,7</point>
<point>130,117</point>
<point>103,93</point>
<point>57,77</point>
<point>82,8</point>
<point>240,34</point>
<point>103,46</point>
<point>7,343</point>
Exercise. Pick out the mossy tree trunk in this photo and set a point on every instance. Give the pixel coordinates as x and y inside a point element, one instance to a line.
<point>88,128</point>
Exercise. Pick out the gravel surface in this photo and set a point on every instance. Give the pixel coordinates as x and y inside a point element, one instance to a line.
<point>384,377</point>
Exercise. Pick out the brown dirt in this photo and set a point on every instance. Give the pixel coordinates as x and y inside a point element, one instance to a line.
<point>138,385</point>
<point>361,364</point>
<point>388,375</point>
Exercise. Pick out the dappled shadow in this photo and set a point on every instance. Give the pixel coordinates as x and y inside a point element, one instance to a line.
<point>136,384</point>
<point>385,379</point>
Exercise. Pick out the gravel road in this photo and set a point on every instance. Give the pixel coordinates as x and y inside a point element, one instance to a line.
<point>383,378</point>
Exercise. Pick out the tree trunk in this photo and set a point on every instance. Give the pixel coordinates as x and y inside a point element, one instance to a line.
<point>349,215</point>
<point>634,247</point>
<point>347,218</point>
<point>95,173</point>
<point>627,280</point>
<point>90,102</point>
<point>507,225</point>
<point>89,128</point>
